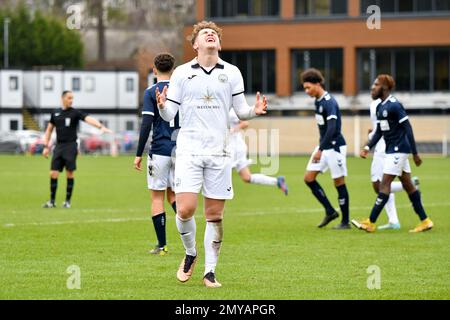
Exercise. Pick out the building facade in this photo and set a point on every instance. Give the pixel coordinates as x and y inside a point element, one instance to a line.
<point>273,41</point>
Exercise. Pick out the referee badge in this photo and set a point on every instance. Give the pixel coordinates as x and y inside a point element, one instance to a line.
<point>223,78</point>
<point>385,113</point>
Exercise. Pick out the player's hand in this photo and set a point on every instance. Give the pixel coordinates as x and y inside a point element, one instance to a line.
<point>261,104</point>
<point>161,97</point>
<point>364,153</point>
<point>46,152</point>
<point>417,160</point>
<point>105,130</point>
<point>137,163</point>
<point>317,156</point>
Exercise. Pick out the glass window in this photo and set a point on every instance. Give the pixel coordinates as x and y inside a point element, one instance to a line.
<point>49,83</point>
<point>403,69</point>
<point>130,85</point>
<point>13,83</point>
<point>365,70</point>
<point>339,6</point>
<point>422,70</point>
<point>233,8</point>
<point>257,68</point>
<point>414,69</point>
<point>90,84</point>
<point>14,125</point>
<point>76,84</point>
<point>424,5</point>
<point>383,61</point>
<point>320,7</point>
<point>129,126</point>
<point>441,69</point>
<point>328,61</point>
<point>405,5</point>
<point>302,7</point>
<point>442,5</point>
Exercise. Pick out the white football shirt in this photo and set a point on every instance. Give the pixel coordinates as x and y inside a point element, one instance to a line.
<point>204,99</point>
<point>381,145</point>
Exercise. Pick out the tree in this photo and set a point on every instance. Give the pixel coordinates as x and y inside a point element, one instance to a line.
<point>40,40</point>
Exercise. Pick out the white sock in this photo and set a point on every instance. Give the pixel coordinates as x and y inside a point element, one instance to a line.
<point>264,180</point>
<point>213,243</point>
<point>396,187</point>
<point>187,230</point>
<point>391,210</point>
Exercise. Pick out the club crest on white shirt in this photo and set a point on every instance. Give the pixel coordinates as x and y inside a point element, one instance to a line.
<point>223,78</point>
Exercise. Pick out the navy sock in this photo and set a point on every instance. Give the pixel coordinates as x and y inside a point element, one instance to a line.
<point>344,203</point>
<point>53,187</point>
<point>70,185</point>
<point>417,205</point>
<point>174,207</point>
<point>378,207</point>
<point>159,222</point>
<point>321,196</point>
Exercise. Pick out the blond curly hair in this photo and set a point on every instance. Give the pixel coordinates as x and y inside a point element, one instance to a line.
<point>204,25</point>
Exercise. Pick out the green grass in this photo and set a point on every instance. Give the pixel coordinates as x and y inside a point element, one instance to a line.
<point>272,248</point>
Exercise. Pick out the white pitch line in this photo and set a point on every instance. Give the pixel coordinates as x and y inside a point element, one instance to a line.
<point>246,214</point>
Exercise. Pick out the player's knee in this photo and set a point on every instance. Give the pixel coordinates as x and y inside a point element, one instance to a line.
<point>54,175</point>
<point>246,178</point>
<point>185,211</point>
<point>308,178</point>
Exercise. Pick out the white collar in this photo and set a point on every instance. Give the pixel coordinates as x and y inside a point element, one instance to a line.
<point>387,99</point>
<point>321,98</point>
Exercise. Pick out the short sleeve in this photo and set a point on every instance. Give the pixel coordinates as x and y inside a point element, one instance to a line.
<point>149,104</point>
<point>82,115</point>
<point>331,109</point>
<point>237,82</point>
<point>401,112</point>
<point>175,92</point>
<point>52,118</point>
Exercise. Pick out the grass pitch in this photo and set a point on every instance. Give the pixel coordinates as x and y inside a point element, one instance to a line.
<point>272,248</point>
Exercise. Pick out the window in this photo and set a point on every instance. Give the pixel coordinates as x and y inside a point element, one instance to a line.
<point>129,126</point>
<point>407,6</point>
<point>13,83</point>
<point>49,83</point>
<point>14,125</point>
<point>130,85</point>
<point>441,69</point>
<point>242,8</point>
<point>257,68</point>
<point>90,84</point>
<point>320,7</point>
<point>328,61</point>
<point>76,84</point>
<point>414,69</point>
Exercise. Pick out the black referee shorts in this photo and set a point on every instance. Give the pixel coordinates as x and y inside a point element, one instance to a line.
<point>65,155</point>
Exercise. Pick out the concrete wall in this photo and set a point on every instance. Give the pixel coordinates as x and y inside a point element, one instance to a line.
<point>300,135</point>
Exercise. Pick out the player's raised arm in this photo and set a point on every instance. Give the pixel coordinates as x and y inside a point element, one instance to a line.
<point>246,112</point>
<point>168,108</point>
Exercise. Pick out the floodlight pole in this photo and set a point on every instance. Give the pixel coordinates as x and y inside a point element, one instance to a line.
<point>6,42</point>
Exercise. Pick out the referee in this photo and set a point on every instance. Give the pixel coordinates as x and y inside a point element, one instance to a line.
<point>66,121</point>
